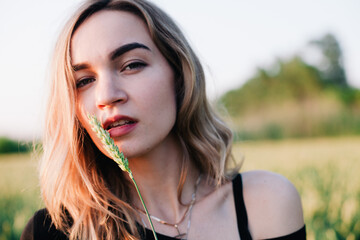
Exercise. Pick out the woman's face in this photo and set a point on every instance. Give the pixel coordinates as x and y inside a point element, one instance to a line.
<point>124,80</point>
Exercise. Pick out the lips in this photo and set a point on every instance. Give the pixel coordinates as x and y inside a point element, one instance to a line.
<point>119,125</point>
<point>117,121</point>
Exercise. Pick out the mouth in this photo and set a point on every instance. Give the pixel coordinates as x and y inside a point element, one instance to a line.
<point>119,124</point>
<point>118,121</point>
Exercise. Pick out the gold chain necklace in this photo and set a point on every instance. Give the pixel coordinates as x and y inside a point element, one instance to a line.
<point>182,236</point>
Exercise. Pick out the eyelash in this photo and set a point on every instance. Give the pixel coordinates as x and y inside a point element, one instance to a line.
<point>84,81</point>
<point>134,66</point>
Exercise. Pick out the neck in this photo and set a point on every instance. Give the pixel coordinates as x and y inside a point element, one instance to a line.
<point>157,175</point>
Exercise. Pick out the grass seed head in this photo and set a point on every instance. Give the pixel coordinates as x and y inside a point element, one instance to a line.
<point>109,144</point>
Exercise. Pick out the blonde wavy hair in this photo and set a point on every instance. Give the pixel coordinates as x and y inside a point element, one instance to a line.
<point>84,192</point>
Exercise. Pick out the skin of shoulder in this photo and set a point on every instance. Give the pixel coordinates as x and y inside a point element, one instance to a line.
<point>272,203</point>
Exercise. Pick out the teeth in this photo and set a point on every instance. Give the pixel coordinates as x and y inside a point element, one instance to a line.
<point>119,123</point>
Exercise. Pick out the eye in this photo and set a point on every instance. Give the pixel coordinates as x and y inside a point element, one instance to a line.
<point>83,82</point>
<point>133,66</point>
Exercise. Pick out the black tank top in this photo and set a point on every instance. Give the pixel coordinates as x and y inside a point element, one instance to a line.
<point>41,227</point>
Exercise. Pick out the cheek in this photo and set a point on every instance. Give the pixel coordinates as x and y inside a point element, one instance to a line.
<point>81,113</point>
<point>84,105</point>
<point>163,89</point>
<point>164,109</point>
<point>160,99</point>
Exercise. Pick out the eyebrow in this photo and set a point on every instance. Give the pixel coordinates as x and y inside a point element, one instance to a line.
<point>78,67</point>
<point>114,54</point>
<point>126,48</point>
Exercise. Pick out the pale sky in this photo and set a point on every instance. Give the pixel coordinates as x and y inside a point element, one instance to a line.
<point>231,37</point>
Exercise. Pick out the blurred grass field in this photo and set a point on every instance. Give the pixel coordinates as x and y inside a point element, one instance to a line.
<point>325,171</point>
<point>19,193</point>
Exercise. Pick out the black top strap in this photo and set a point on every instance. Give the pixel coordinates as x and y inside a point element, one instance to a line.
<point>242,219</point>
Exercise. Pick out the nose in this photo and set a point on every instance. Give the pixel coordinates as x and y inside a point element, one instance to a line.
<point>109,91</point>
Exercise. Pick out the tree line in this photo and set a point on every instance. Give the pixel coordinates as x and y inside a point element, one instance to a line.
<point>8,145</point>
<point>293,98</point>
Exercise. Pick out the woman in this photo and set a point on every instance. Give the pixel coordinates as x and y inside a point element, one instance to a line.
<point>126,62</point>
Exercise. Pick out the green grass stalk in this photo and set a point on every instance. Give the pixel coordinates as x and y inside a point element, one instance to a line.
<point>118,157</point>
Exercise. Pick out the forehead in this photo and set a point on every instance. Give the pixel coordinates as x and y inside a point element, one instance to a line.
<point>106,30</point>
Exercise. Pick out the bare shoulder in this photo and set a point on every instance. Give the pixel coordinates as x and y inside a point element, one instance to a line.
<point>273,204</point>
